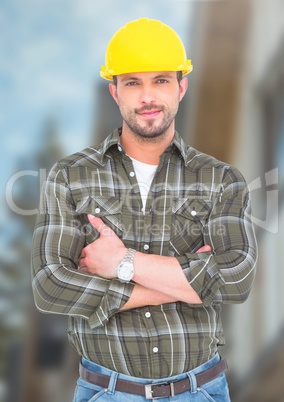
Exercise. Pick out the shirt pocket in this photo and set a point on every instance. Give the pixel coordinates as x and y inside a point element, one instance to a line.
<point>189,216</point>
<point>104,207</point>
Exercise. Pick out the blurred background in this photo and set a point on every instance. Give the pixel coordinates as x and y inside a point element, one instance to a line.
<point>53,103</point>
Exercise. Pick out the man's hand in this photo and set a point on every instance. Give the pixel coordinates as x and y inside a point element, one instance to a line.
<point>103,255</point>
<point>204,249</point>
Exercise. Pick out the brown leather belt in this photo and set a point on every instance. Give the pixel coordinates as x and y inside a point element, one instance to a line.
<point>156,390</point>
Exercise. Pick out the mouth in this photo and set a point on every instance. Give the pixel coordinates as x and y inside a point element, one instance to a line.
<point>149,113</point>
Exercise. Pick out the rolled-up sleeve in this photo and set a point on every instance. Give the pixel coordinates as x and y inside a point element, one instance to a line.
<point>59,236</point>
<point>226,274</point>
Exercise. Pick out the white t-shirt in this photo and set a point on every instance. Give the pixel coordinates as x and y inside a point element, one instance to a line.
<point>144,175</point>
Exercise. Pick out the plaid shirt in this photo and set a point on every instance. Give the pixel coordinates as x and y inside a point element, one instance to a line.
<point>193,200</point>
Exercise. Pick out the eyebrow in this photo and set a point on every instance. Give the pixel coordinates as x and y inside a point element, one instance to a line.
<point>133,78</point>
<point>168,76</point>
<point>130,79</point>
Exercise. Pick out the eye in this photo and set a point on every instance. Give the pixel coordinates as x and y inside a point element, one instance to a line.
<point>131,83</point>
<point>162,81</point>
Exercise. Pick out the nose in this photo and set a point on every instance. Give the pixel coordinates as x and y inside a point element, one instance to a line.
<point>147,94</point>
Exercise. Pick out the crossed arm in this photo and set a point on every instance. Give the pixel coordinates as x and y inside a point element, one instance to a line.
<point>224,275</point>
<point>158,279</point>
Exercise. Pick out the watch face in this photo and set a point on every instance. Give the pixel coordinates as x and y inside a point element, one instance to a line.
<point>125,271</point>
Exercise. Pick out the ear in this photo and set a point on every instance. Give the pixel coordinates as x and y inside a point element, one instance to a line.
<point>113,91</point>
<point>183,85</point>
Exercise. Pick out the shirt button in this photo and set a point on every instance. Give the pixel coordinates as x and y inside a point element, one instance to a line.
<point>146,246</point>
<point>155,349</point>
<point>97,210</point>
<point>148,314</point>
<point>119,148</point>
<point>193,213</point>
<point>131,174</point>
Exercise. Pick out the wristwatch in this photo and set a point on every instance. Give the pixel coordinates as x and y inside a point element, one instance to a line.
<point>125,269</point>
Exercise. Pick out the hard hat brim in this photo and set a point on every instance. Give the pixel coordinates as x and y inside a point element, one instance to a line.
<point>108,75</point>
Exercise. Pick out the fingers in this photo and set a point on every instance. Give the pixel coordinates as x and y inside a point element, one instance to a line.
<point>101,227</point>
<point>204,249</point>
<point>81,265</point>
<point>96,222</point>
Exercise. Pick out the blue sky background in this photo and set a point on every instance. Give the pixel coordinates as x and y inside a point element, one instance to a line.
<point>51,52</point>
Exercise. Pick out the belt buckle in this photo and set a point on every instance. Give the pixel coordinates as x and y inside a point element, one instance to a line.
<point>149,391</point>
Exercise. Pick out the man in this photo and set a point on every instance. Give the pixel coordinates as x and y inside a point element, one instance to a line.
<point>141,240</point>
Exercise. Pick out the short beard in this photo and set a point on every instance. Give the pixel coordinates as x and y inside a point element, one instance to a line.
<point>150,133</point>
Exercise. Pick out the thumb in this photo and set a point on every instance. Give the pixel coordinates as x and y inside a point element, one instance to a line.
<point>204,249</point>
<point>101,227</point>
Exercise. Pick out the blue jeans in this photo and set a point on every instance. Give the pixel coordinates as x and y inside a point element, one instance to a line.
<point>213,391</point>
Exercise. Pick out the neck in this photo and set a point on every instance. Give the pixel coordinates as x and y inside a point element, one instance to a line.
<point>146,150</point>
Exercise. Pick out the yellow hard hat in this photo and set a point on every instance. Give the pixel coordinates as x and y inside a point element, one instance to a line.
<point>145,45</point>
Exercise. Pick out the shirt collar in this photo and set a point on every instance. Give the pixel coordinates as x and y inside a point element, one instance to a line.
<point>114,140</point>
<point>111,140</point>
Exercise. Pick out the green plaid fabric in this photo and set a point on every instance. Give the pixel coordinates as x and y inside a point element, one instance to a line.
<point>194,200</point>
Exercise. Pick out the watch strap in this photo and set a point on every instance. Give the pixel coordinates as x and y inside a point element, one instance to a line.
<point>129,257</point>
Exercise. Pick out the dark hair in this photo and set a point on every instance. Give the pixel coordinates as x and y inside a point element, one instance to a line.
<point>179,78</point>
